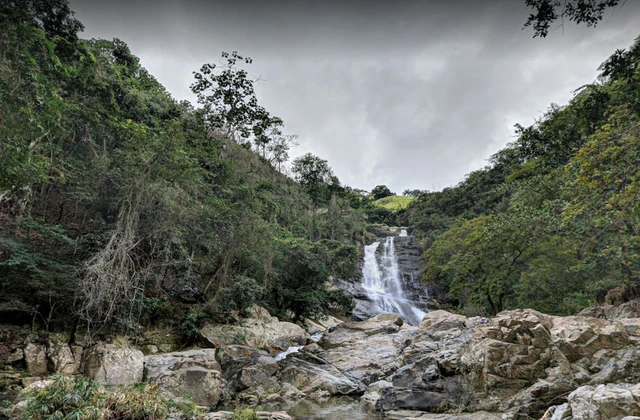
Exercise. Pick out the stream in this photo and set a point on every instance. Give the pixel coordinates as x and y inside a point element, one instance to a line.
<point>335,408</point>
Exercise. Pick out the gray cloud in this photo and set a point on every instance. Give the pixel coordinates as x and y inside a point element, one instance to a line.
<point>411,94</point>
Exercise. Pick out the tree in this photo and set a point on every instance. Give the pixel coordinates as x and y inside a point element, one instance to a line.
<point>381,191</point>
<point>230,103</point>
<point>589,12</point>
<point>413,193</point>
<point>278,150</point>
<point>604,192</point>
<point>314,175</point>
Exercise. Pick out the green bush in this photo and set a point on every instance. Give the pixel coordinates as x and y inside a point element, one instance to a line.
<point>190,327</point>
<point>244,414</point>
<point>81,398</point>
<point>239,296</point>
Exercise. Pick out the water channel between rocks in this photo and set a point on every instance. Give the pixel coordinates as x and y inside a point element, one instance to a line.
<point>335,408</point>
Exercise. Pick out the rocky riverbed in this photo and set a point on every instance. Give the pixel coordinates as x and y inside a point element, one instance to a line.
<point>521,364</point>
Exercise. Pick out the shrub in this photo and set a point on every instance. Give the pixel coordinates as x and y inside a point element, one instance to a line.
<point>81,398</point>
<point>190,327</point>
<point>244,414</point>
<point>239,296</point>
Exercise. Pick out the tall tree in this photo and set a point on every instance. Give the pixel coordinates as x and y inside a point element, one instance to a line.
<point>230,103</point>
<point>314,175</point>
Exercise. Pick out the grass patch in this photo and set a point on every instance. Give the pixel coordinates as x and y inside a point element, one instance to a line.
<point>394,202</point>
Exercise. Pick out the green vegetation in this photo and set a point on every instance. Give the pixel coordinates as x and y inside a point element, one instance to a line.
<point>553,222</point>
<point>546,12</point>
<point>244,414</point>
<point>394,202</point>
<point>381,191</point>
<point>121,208</point>
<point>70,398</point>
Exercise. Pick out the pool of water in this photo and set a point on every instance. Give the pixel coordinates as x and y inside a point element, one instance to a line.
<point>335,408</point>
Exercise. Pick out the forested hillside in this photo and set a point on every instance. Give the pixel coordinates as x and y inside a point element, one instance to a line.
<point>121,207</point>
<point>553,221</point>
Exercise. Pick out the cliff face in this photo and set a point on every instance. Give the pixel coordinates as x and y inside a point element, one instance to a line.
<point>410,265</point>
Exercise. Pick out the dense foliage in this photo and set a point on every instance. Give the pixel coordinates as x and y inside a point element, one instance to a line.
<point>74,398</point>
<point>121,207</point>
<point>553,222</point>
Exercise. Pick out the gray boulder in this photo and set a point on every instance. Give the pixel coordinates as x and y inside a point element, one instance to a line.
<point>602,402</point>
<point>108,364</point>
<point>35,356</point>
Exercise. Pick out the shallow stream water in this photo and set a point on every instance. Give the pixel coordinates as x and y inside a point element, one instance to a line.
<point>336,408</point>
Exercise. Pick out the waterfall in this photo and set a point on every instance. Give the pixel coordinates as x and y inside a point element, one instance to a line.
<point>382,282</point>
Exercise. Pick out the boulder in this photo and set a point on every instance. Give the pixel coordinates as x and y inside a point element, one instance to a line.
<point>442,324</point>
<point>374,391</point>
<point>367,351</point>
<point>396,319</point>
<point>511,363</point>
<point>35,356</point>
<point>108,364</point>
<point>205,386</point>
<point>579,337</point>
<point>430,384</point>
<point>192,372</point>
<point>249,371</point>
<point>310,377</point>
<point>602,402</point>
<point>614,312</point>
<point>261,331</point>
<point>62,357</point>
<point>321,325</point>
<point>156,364</point>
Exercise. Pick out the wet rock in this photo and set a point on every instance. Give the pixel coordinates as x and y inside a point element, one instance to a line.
<point>310,377</point>
<point>431,383</point>
<point>366,351</point>
<point>374,391</point>
<point>291,393</point>
<point>108,364</point>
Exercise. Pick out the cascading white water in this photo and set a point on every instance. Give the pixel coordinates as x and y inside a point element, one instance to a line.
<point>382,282</point>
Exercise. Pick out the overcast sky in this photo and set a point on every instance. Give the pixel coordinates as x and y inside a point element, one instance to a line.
<point>410,94</point>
